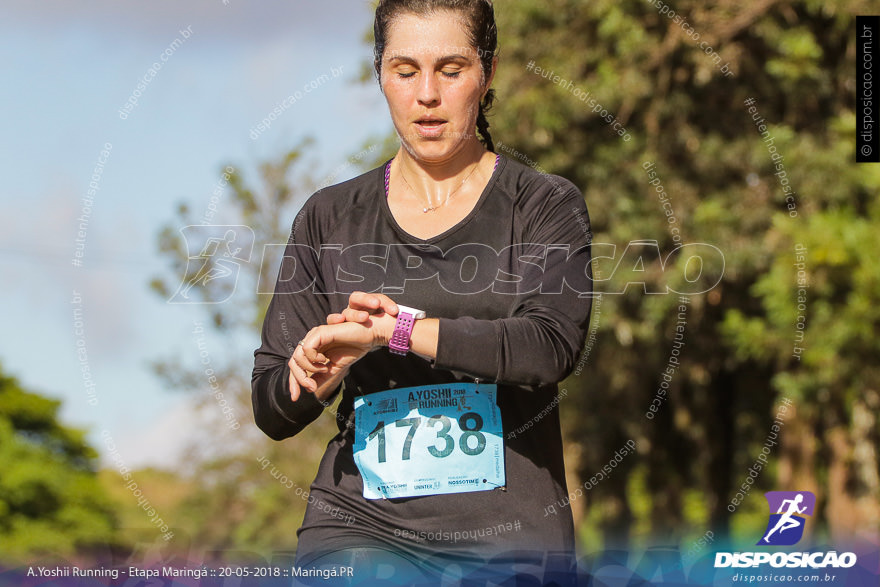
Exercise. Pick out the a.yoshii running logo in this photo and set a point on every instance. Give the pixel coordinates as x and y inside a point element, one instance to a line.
<point>786,525</point>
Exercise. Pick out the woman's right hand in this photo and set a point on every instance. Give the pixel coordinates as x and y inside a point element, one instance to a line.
<point>323,357</point>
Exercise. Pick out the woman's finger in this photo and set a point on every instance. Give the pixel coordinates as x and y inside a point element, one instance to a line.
<point>335,318</point>
<point>303,362</point>
<point>372,303</point>
<point>294,387</point>
<point>304,378</point>
<point>353,315</point>
<point>363,300</point>
<point>315,339</point>
<point>299,380</point>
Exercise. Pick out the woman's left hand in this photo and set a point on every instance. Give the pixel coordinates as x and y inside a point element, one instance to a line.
<point>361,306</point>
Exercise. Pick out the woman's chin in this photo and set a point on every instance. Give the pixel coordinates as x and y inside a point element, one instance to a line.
<point>433,150</point>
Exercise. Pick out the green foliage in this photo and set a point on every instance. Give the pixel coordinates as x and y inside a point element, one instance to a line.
<point>689,119</point>
<point>165,490</point>
<point>269,212</point>
<point>51,504</point>
<point>249,502</point>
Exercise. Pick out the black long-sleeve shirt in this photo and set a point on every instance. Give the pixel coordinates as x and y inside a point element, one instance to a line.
<point>509,285</point>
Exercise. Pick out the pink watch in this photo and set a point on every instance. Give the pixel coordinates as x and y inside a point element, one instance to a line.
<point>406,320</point>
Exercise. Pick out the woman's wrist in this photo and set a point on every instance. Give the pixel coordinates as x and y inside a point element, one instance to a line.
<point>383,328</point>
<point>425,338</point>
<point>324,393</point>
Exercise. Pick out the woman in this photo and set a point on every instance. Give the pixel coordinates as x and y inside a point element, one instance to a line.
<point>449,448</point>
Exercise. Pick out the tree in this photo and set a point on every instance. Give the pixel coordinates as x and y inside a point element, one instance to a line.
<point>685,112</point>
<point>51,504</point>
<point>251,498</point>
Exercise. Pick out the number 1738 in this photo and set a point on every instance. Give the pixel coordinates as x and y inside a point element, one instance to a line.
<point>470,423</point>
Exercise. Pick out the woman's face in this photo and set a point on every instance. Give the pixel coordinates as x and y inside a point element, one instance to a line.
<point>433,81</point>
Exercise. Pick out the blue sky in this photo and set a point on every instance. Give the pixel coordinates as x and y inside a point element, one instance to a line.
<point>68,68</point>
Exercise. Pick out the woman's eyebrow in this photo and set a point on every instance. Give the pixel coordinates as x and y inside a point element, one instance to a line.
<point>454,58</point>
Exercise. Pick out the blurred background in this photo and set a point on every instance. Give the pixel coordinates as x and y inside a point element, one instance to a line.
<point>125,421</point>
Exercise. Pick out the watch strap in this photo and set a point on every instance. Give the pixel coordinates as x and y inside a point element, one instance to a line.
<point>406,321</point>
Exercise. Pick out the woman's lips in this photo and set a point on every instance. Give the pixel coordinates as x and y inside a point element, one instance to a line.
<point>430,128</point>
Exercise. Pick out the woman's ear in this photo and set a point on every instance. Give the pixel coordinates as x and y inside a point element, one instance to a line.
<point>491,76</point>
<point>377,67</point>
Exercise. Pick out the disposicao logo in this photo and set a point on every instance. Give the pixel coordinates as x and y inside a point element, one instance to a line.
<point>788,517</point>
<point>786,526</point>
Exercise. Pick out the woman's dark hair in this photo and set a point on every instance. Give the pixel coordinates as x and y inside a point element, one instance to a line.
<point>482,31</point>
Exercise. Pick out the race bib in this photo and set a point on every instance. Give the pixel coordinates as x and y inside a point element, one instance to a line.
<point>429,440</point>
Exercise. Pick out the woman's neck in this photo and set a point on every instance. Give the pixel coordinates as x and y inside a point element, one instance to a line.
<point>437,179</point>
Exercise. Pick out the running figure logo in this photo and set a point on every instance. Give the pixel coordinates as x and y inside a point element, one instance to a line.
<point>214,268</point>
<point>786,526</point>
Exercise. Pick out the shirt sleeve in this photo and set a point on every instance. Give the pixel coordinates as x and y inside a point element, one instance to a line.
<point>294,310</point>
<point>541,340</point>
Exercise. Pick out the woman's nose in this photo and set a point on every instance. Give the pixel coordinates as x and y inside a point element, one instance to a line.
<point>429,90</point>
